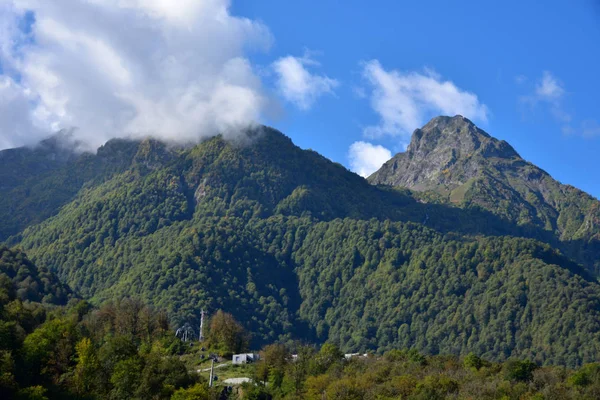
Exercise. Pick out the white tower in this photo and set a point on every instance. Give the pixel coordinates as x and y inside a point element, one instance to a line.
<point>201,334</point>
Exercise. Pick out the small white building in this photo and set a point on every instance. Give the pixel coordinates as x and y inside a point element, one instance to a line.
<point>245,358</point>
<point>352,355</point>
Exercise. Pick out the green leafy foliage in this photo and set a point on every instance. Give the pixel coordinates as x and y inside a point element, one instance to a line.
<point>227,335</point>
<point>407,374</point>
<point>519,371</point>
<point>297,247</point>
<point>53,349</point>
<point>451,161</point>
<point>21,280</point>
<point>119,351</point>
<point>36,182</point>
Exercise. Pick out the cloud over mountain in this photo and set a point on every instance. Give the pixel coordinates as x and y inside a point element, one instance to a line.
<point>404,100</point>
<point>366,158</point>
<point>177,70</point>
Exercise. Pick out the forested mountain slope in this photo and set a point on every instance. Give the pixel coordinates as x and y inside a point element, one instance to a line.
<point>452,161</point>
<point>296,246</point>
<point>27,294</point>
<point>21,280</point>
<point>36,182</point>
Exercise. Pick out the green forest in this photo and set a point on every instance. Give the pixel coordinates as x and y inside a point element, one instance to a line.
<point>297,247</point>
<point>297,251</point>
<point>54,345</point>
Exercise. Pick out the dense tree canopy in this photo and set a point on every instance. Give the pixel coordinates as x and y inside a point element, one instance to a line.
<point>123,350</point>
<point>226,334</point>
<point>297,247</point>
<point>402,374</point>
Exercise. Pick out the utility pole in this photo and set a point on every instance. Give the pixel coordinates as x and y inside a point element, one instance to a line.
<point>201,334</point>
<point>212,373</point>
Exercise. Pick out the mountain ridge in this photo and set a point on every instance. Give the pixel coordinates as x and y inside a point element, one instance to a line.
<point>461,164</point>
<point>298,247</point>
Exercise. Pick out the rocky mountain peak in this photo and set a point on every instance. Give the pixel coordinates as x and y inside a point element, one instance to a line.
<point>457,134</point>
<point>447,151</point>
<point>454,161</point>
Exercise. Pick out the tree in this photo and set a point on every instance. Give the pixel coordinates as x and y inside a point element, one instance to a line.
<point>473,362</point>
<point>316,386</point>
<point>298,370</point>
<point>519,371</point>
<point>227,334</point>
<point>33,393</point>
<point>274,359</point>
<point>87,368</point>
<point>436,387</point>
<point>329,355</point>
<point>126,378</point>
<point>261,372</point>
<point>275,355</point>
<point>48,350</point>
<point>345,389</point>
<point>586,375</point>
<point>197,392</point>
<point>8,385</point>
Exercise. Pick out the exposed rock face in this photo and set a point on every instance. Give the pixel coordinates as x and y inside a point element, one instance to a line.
<point>444,154</point>
<point>455,161</point>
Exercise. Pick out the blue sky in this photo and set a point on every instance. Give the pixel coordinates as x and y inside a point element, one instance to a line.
<point>496,50</point>
<point>350,79</point>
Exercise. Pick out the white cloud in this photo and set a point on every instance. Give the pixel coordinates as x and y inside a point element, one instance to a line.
<point>550,92</point>
<point>297,84</point>
<point>590,128</point>
<point>366,158</point>
<point>404,100</point>
<point>173,69</point>
<point>15,114</point>
<point>549,88</point>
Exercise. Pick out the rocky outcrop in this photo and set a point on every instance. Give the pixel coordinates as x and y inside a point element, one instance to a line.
<point>450,159</point>
<point>445,153</point>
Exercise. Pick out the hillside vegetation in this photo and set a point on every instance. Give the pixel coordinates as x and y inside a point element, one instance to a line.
<point>451,161</point>
<point>297,247</point>
<point>127,350</point>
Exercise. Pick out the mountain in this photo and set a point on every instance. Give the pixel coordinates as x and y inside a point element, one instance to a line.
<point>27,295</point>
<point>35,182</point>
<point>21,280</point>
<point>298,247</point>
<point>452,161</point>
